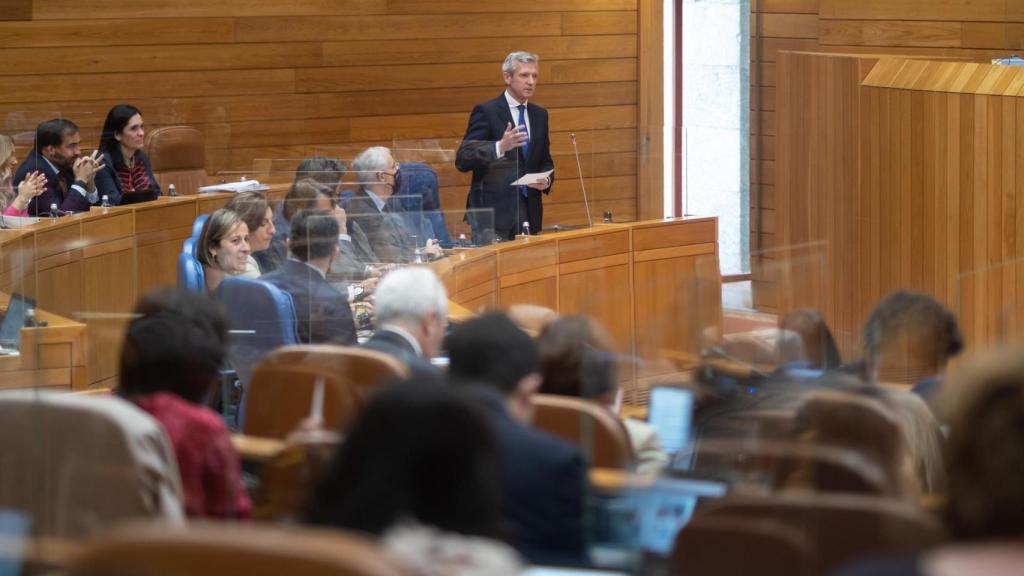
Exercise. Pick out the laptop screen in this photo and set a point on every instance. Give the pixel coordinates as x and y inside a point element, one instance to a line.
<point>14,319</point>
<point>670,413</point>
<point>666,506</point>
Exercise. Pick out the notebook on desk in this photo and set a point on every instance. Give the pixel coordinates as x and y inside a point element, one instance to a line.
<point>13,320</point>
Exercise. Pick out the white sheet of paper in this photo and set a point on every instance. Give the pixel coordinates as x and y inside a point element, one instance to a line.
<point>532,178</point>
<point>316,408</point>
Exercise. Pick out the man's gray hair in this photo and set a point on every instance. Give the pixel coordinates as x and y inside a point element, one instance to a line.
<point>371,161</point>
<point>409,294</point>
<point>509,66</point>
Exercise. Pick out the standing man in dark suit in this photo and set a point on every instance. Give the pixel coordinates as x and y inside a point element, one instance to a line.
<point>507,138</point>
<point>542,477</point>
<point>411,310</point>
<point>70,177</point>
<point>322,312</point>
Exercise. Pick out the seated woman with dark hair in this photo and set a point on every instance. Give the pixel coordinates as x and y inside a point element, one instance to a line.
<point>170,364</point>
<point>223,247</point>
<point>577,359</point>
<point>419,470</point>
<point>254,209</point>
<point>127,169</point>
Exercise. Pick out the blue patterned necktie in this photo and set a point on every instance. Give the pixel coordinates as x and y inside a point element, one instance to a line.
<point>526,145</point>
<point>522,123</point>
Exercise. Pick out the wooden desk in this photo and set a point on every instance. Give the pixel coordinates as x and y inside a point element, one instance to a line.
<point>88,270</point>
<point>655,285</point>
<point>51,357</point>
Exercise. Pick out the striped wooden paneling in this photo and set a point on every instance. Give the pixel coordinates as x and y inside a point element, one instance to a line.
<point>900,174</point>
<point>270,79</point>
<point>976,30</point>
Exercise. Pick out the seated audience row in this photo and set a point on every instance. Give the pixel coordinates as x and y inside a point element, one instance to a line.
<point>117,169</point>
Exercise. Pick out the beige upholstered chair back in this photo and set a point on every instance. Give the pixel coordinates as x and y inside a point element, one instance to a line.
<point>178,156</point>
<point>281,393</point>
<point>214,549</point>
<point>76,464</point>
<point>593,427</point>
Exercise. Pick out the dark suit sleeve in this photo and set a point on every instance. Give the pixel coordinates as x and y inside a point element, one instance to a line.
<point>477,147</point>
<point>331,318</point>
<point>106,183</point>
<point>73,200</point>
<point>569,484</point>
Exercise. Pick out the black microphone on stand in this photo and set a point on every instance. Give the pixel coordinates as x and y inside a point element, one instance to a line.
<point>579,169</point>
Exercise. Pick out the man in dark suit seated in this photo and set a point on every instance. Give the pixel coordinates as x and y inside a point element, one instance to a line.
<point>379,176</point>
<point>542,477</point>
<point>411,309</point>
<point>323,314</point>
<point>70,177</point>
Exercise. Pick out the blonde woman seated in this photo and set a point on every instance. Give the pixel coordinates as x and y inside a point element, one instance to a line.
<point>15,202</point>
<point>254,209</point>
<point>577,359</point>
<point>223,247</point>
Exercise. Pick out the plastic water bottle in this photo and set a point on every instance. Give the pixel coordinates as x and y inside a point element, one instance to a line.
<point>171,191</point>
<point>526,228</point>
<point>30,318</point>
<point>54,212</point>
<point>104,201</point>
<point>462,241</point>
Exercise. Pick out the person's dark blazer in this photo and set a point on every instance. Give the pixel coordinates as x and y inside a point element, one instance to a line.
<point>394,344</point>
<point>384,231</point>
<point>542,480</point>
<point>354,255</point>
<point>72,201</point>
<point>322,312</point>
<point>109,185</point>
<point>492,175</point>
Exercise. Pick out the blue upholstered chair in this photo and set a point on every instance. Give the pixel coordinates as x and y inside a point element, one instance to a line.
<point>197,227</point>
<point>261,318</point>
<point>190,272</point>
<point>419,203</point>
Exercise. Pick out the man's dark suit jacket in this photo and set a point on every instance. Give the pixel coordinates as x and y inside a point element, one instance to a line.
<point>322,312</point>
<point>388,238</point>
<point>348,266</point>
<point>394,344</point>
<point>492,176</point>
<point>542,481</point>
<point>71,201</point>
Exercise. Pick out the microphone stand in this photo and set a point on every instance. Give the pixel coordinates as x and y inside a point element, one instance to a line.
<point>583,186</point>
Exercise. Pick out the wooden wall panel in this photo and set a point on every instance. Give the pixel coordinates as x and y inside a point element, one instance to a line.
<point>285,80</point>
<point>976,30</point>
<point>889,181</point>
